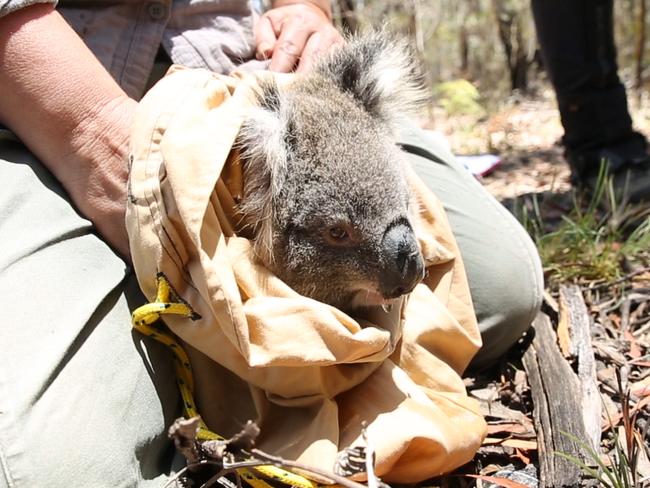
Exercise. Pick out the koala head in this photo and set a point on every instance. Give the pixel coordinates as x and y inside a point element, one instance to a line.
<point>324,183</point>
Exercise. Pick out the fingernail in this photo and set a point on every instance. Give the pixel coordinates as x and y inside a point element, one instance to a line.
<point>264,50</point>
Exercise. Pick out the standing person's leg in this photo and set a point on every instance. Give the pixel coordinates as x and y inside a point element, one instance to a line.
<point>502,264</point>
<point>83,400</point>
<point>577,44</point>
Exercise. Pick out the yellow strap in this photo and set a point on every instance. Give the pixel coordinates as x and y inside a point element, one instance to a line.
<point>145,321</point>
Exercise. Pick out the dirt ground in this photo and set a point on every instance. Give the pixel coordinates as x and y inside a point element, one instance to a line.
<point>526,133</point>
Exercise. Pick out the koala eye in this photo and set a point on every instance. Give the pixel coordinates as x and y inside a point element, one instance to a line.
<point>341,234</point>
<point>338,233</point>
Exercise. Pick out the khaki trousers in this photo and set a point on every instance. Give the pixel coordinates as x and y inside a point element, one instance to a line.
<point>85,402</point>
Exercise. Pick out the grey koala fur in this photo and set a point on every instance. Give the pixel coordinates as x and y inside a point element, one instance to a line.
<point>324,182</point>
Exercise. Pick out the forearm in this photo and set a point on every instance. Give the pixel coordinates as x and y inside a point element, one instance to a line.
<point>60,101</point>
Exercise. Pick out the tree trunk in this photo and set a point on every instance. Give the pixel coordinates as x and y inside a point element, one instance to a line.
<point>347,15</point>
<point>511,35</point>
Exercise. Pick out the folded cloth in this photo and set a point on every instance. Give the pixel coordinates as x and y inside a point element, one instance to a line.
<point>308,374</point>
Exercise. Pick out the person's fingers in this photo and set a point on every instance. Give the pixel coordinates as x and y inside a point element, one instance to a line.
<point>317,45</point>
<point>294,36</point>
<point>265,38</point>
<point>290,45</point>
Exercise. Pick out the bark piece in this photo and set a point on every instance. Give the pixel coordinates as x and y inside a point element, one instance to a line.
<point>557,399</point>
<point>575,317</point>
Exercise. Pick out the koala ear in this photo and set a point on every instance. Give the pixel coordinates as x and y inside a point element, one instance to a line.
<point>379,71</point>
<point>263,135</point>
<point>263,148</point>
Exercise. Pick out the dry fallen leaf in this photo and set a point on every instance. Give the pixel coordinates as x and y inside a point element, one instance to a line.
<point>639,405</point>
<point>505,483</point>
<point>515,443</point>
<point>641,388</point>
<point>521,456</point>
<point>635,350</point>
<point>495,410</point>
<point>516,428</point>
<point>563,333</point>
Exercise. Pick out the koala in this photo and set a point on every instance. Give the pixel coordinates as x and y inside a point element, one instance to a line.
<point>324,182</point>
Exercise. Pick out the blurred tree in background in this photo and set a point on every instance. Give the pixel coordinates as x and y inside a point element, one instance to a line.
<point>491,43</point>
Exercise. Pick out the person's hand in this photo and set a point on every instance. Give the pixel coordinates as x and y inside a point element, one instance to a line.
<point>294,36</point>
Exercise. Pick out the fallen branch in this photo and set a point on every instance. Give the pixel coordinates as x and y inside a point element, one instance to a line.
<point>223,454</point>
<point>576,322</point>
<point>557,400</point>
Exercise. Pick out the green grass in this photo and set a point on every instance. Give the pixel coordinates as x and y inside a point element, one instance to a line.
<point>595,241</point>
<point>621,468</point>
<point>617,473</point>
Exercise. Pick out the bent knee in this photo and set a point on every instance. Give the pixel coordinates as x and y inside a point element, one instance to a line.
<point>506,306</point>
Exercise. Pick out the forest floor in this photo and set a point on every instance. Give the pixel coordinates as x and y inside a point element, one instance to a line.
<point>588,373</point>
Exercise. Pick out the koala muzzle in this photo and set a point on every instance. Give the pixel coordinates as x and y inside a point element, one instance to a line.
<point>403,263</point>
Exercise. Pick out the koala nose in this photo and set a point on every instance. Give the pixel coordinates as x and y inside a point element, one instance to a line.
<point>404,266</point>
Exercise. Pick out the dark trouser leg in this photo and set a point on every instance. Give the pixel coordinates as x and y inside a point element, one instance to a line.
<point>577,43</point>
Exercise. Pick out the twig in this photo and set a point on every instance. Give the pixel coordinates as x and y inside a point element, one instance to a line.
<point>638,316</point>
<point>249,463</point>
<point>551,302</point>
<point>639,295</point>
<point>190,467</point>
<point>604,320</point>
<point>601,305</point>
<point>284,463</point>
<point>642,330</point>
<point>217,477</point>
<point>620,280</point>
<point>183,433</point>
<point>643,358</point>
<point>625,315</point>
<point>221,452</point>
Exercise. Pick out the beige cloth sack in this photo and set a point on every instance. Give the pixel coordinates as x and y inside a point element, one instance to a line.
<point>308,374</point>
